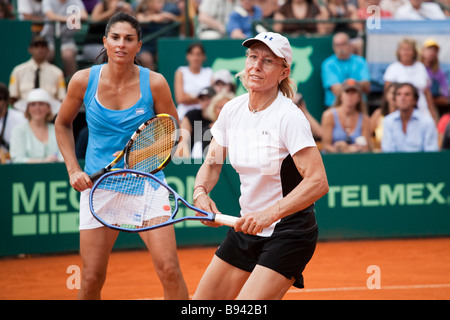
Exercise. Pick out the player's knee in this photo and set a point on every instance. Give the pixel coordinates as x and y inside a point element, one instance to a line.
<point>170,273</point>
<point>92,281</point>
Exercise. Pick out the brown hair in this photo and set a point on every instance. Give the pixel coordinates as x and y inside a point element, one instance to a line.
<point>49,117</point>
<point>360,106</point>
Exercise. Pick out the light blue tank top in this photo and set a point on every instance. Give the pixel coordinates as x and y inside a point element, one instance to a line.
<point>339,133</point>
<point>110,130</point>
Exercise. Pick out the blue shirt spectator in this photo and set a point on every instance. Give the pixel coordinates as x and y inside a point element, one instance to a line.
<point>408,129</point>
<point>420,135</point>
<point>343,65</point>
<point>240,23</point>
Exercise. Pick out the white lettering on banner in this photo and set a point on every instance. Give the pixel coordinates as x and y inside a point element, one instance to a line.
<point>410,194</point>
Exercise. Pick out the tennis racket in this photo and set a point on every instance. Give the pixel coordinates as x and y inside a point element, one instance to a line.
<point>133,201</point>
<point>149,148</point>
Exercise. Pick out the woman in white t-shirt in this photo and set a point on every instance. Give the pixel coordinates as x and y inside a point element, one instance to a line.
<point>191,79</point>
<point>270,144</point>
<point>408,69</point>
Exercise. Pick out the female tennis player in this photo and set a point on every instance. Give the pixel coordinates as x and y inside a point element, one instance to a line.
<point>270,144</point>
<point>118,95</point>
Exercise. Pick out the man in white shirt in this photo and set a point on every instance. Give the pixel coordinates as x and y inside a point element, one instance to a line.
<point>36,73</point>
<point>419,10</point>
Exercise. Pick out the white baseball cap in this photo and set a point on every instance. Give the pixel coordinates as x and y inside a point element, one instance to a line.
<point>279,44</point>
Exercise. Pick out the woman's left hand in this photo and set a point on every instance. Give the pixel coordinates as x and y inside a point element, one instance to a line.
<point>254,222</point>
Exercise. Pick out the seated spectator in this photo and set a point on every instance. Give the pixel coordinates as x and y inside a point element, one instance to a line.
<point>153,16</point>
<point>213,18</point>
<point>190,79</point>
<point>342,9</point>
<point>268,7</point>
<point>346,126</point>
<point>9,118</point>
<point>439,85</point>
<point>376,119</point>
<point>316,128</point>
<point>419,10</point>
<point>343,65</point>
<point>31,10</point>
<point>102,11</point>
<point>194,121</point>
<point>300,9</point>
<point>407,129</point>
<point>240,23</point>
<point>392,5</point>
<point>408,69</point>
<point>35,140</point>
<point>364,12</point>
<point>62,11</point>
<point>446,139</point>
<point>36,73</point>
<point>223,81</point>
<point>6,10</point>
<point>212,112</point>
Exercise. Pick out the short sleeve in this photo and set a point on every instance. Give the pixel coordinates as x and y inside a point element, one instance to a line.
<point>295,131</point>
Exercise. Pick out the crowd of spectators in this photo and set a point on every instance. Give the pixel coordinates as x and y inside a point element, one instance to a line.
<point>402,118</point>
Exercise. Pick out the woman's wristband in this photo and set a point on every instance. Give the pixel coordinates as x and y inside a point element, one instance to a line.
<point>198,195</point>
<point>200,186</point>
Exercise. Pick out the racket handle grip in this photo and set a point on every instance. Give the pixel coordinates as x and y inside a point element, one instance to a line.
<point>225,220</point>
<point>97,174</point>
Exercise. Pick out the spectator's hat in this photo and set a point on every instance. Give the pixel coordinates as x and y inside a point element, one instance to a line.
<point>223,75</point>
<point>351,84</point>
<point>430,43</point>
<point>38,40</point>
<point>207,92</point>
<point>276,42</point>
<point>38,95</point>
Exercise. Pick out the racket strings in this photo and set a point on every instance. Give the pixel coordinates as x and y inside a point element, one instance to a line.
<point>132,201</point>
<point>153,145</point>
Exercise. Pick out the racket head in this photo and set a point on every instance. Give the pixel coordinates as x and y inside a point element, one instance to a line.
<point>133,201</point>
<point>151,147</point>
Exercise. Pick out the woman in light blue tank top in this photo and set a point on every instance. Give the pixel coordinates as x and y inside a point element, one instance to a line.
<point>346,126</point>
<point>118,96</point>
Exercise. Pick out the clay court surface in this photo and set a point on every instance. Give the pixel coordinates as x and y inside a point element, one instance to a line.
<point>408,269</point>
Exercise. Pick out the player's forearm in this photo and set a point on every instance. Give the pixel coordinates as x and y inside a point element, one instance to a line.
<point>305,194</point>
<point>207,178</point>
<point>209,172</point>
<point>66,144</point>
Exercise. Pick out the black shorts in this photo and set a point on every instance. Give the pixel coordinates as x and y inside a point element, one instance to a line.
<point>285,253</point>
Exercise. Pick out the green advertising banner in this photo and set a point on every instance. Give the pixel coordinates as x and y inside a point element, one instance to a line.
<point>371,196</point>
<point>386,196</point>
<point>307,57</point>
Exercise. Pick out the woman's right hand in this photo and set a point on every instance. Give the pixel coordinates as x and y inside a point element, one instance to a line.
<point>205,203</point>
<point>79,180</point>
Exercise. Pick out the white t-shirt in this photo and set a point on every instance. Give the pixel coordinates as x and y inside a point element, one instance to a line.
<point>257,144</point>
<point>193,84</point>
<point>415,74</point>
